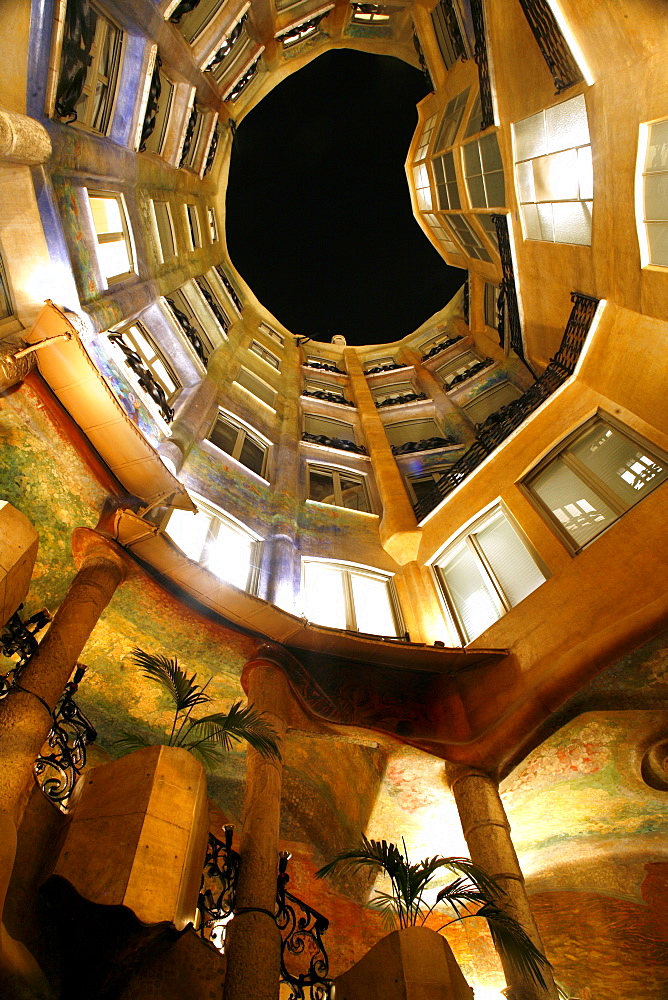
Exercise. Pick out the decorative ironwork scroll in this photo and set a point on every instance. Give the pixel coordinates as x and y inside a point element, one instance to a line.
<point>480,56</point>
<point>409,397</point>
<point>190,332</point>
<point>466,299</point>
<point>551,43</point>
<point>426,444</point>
<point>449,16</point>
<point>19,638</point>
<point>211,154</point>
<point>241,84</point>
<point>330,397</point>
<point>181,9</point>
<point>512,325</point>
<point>323,366</point>
<point>227,44</point>
<point>144,377</point>
<point>304,30</point>
<point>330,442</point>
<point>229,287</point>
<point>152,105</point>
<point>218,888</point>
<point>470,372</point>
<point>304,961</point>
<point>56,772</point>
<point>501,316</point>
<point>188,138</point>
<point>499,425</point>
<point>76,58</point>
<point>437,348</point>
<point>421,59</point>
<point>391,366</point>
<point>222,318</point>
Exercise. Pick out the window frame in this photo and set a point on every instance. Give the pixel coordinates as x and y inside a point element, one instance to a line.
<point>642,173</point>
<point>124,332</point>
<point>264,354</point>
<point>244,430</point>
<point>347,569</point>
<point>588,478</point>
<point>170,222</point>
<point>6,295</point>
<point>484,174</point>
<point>336,473</point>
<point>262,382</point>
<point>125,233</point>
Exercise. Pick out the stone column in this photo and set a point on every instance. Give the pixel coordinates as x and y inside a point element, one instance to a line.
<point>487,834</point>
<point>254,941</point>
<point>23,139</point>
<point>399,532</point>
<point>195,409</point>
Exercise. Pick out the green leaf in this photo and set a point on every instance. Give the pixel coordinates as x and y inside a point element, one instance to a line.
<point>207,752</point>
<point>226,728</point>
<point>513,943</point>
<point>368,854</point>
<point>128,742</point>
<point>386,905</point>
<point>181,688</point>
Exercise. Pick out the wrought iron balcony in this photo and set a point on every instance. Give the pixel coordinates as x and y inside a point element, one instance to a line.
<point>214,305</point>
<point>508,313</point>
<point>228,44</point>
<point>426,444</point>
<point>470,372</point>
<point>189,332</point>
<point>480,56</point>
<point>323,366</point>
<point>409,397</point>
<point>438,348</point>
<point>181,9</point>
<point>144,377</point>
<point>304,960</point>
<point>498,426</point>
<point>244,81</point>
<point>330,397</point>
<point>551,43</point>
<point>330,442</point>
<point>390,367</point>
<point>213,148</point>
<point>229,287</point>
<point>218,888</point>
<point>190,132</point>
<point>19,639</point>
<point>152,104</point>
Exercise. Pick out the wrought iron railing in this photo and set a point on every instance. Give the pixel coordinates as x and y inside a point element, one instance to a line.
<point>214,305</point>
<point>188,138</point>
<point>334,442</point>
<point>408,397</point>
<point>551,43</point>
<point>480,56</point>
<point>391,366</point>
<point>511,313</point>
<point>426,444</point>
<point>307,29</point>
<point>211,154</point>
<point>78,38</point>
<point>152,105</point>
<point>437,348</point>
<point>19,639</point>
<point>499,425</point>
<point>56,770</point>
<point>304,961</point>
<point>330,397</point>
<point>466,299</point>
<point>421,59</point>
<point>229,287</point>
<point>181,9</point>
<point>217,894</point>
<point>189,332</point>
<point>241,84</point>
<point>323,366</point>
<point>144,377</point>
<point>475,369</point>
<point>228,44</point>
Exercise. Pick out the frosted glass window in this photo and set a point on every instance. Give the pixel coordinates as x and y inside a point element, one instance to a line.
<point>256,386</point>
<point>446,182</point>
<point>452,119</point>
<point>422,188</point>
<point>554,174</point>
<point>441,233</point>
<point>113,241</point>
<point>210,538</point>
<point>341,597</point>
<point>595,479</point>
<point>425,137</point>
<point>487,573</point>
<point>655,194</point>
<point>483,169</point>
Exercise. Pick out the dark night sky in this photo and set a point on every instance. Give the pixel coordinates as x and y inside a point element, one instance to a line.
<point>319,221</point>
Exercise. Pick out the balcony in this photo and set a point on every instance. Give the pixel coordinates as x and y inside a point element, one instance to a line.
<point>438,348</point>
<point>333,442</point>
<point>409,397</point>
<point>323,366</point>
<point>426,444</point>
<point>329,397</point>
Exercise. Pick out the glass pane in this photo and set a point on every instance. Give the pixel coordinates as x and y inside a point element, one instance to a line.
<point>496,191</point>
<point>525,184</point>
<point>621,464</point>
<point>572,222</point>
<point>224,436</point>
<point>556,177</point>
<point>657,147</point>
<point>489,151</point>
<point>324,601</point>
<point>106,215</point>
<point>353,495</point>
<point>472,159</point>
<point>530,138</point>
<point>252,455</point>
<point>567,125</point>
<point>373,609</point>
<point>545,218</point>
<point>229,556</point>
<point>477,192</point>
<point>321,486</point>
<point>475,121</point>
<point>657,237</point>
<point>656,197</point>
<point>470,592</point>
<point>512,565</point>
<point>585,173</point>
<point>576,507</point>
<point>189,531</point>
<point>531,223</point>
<point>114,259</point>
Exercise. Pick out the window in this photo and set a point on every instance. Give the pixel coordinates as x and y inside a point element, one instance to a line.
<point>299,32</point>
<point>278,337</point>
<point>6,307</point>
<point>213,225</point>
<point>451,120</point>
<point>458,366</point>
<point>446,181</point>
<point>553,168</point>
<point>422,188</point>
<point>468,237</point>
<point>193,227</point>
<point>266,355</point>
<point>238,441</point>
<point>380,364</point>
<point>113,235</point>
<point>370,13</point>
<point>655,195</point>
<point>599,474</point>
<point>229,288</point>
<point>347,597</point>
<point>490,229</point>
<point>406,431</point>
<point>392,391</point>
<point>327,426</point>
<point>485,573</point>
<point>217,541</point>
<point>89,67</point>
<point>491,304</point>
<point>425,136</point>
<point>447,31</point>
<point>483,169</point>
<point>191,139</point>
<point>194,19</point>
<point>256,386</point>
<point>475,119</point>
<point>490,401</point>
<point>213,304</point>
<point>337,487</point>
<point>155,143</point>
<point>138,340</point>
<point>332,390</point>
<point>421,484</point>
<point>190,325</point>
<point>163,221</point>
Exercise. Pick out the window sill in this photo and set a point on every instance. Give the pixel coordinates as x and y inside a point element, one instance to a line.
<point>216,452</point>
<point>335,451</point>
<point>348,510</point>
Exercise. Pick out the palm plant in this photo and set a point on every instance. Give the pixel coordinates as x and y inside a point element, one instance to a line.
<point>209,737</point>
<point>473,893</point>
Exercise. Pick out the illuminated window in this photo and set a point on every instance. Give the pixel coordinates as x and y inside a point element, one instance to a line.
<point>225,546</point>
<point>422,187</point>
<point>451,120</point>
<point>138,340</point>
<point>256,386</point>
<point>266,355</point>
<point>241,443</point>
<point>162,214</point>
<point>655,194</point>
<point>156,140</point>
<point>6,307</point>
<point>193,227</point>
<point>599,474</point>
<point>491,400</point>
<point>491,304</point>
<point>113,235</point>
<point>213,225</point>
<point>351,598</point>
<point>370,13</point>
<point>425,136</point>
<point>483,170</point>
<point>440,231</point>
<point>553,169</point>
<point>446,181</point>
<point>485,573</point>
<point>89,67</point>
<point>337,487</point>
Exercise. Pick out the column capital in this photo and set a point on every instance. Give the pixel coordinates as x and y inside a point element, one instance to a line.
<point>456,772</point>
<point>22,139</point>
<point>90,547</point>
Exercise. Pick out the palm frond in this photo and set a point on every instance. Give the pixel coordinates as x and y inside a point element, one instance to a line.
<point>172,678</point>
<point>385,904</point>
<point>127,742</point>
<point>226,728</point>
<point>207,752</point>
<point>368,854</point>
<point>461,895</point>
<point>513,943</point>
<point>485,883</point>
